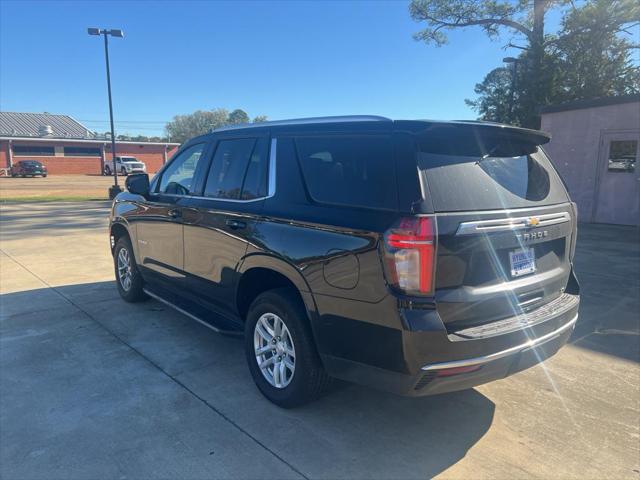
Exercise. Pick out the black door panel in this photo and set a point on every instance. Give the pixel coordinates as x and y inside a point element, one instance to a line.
<point>159,238</point>
<point>220,224</point>
<point>214,245</point>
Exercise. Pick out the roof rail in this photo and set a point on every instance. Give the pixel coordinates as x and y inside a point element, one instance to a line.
<point>306,121</point>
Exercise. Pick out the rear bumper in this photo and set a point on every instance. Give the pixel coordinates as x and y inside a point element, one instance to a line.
<point>430,356</point>
<point>529,344</point>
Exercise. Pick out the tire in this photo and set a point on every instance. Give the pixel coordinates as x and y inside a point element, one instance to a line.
<point>131,290</point>
<point>123,172</point>
<point>44,176</point>
<point>107,170</point>
<point>14,175</point>
<point>308,380</point>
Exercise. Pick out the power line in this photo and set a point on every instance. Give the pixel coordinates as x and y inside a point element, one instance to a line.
<point>125,121</point>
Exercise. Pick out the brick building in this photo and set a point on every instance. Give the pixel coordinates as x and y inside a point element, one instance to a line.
<point>66,146</point>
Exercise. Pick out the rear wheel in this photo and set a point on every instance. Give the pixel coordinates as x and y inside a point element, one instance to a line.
<point>128,277</point>
<point>107,170</point>
<point>280,350</point>
<point>123,172</point>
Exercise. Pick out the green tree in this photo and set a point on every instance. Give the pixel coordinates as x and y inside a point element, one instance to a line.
<point>523,18</point>
<point>494,102</point>
<point>595,51</point>
<point>238,116</point>
<point>184,127</point>
<point>538,67</point>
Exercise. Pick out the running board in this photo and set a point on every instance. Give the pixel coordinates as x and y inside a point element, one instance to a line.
<point>235,333</point>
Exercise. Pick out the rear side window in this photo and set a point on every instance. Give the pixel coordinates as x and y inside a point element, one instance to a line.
<point>349,170</point>
<point>238,170</point>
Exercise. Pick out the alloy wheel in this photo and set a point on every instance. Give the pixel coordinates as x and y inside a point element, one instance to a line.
<point>274,350</point>
<point>125,275</point>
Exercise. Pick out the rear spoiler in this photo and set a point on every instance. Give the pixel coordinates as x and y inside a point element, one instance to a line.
<point>474,139</point>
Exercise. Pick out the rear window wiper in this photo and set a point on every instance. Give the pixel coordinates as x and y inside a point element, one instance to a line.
<point>487,155</point>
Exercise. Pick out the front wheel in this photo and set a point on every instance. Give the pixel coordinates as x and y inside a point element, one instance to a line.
<point>128,277</point>
<point>280,350</point>
<point>123,172</point>
<point>107,170</point>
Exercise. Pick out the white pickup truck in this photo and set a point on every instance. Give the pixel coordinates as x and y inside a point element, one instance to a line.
<point>125,166</point>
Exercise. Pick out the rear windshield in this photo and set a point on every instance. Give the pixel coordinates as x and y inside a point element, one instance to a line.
<point>461,182</point>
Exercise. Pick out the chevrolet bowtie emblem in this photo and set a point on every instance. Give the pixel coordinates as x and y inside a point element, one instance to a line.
<point>533,221</point>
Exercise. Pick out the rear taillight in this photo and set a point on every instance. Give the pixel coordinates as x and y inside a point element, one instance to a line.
<point>410,249</point>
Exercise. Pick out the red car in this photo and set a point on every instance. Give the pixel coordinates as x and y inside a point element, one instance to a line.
<point>28,167</point>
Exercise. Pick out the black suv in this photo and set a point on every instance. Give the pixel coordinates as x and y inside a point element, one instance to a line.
<point>418,257</point>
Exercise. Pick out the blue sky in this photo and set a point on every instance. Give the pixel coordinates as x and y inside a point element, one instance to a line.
<point>281,59</point>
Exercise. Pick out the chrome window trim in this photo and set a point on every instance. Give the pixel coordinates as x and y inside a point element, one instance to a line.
<point>230,200</point>
<point>529,344</point>
<point>271,187</point>
<point>512,223</point>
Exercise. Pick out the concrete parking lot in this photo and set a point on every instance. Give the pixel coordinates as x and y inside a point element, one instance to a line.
<point>92,387</point>
<point>56,187</point>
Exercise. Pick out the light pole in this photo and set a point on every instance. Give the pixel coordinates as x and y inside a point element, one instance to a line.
<point>514,77</point>
<point>115,189</point>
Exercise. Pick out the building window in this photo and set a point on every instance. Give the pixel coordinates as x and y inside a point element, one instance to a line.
<point>35,150</point>
<point>82,152</point>
<point>622,155</point>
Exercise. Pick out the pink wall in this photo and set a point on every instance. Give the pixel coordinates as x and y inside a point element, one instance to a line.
<point>575,146</point>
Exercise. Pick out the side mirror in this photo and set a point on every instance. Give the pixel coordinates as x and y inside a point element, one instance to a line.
<point>138,184</point>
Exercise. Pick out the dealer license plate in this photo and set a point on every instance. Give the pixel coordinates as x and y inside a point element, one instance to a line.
<point>523,262</point>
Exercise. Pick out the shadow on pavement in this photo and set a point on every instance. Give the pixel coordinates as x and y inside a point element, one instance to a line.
<point>350,432</point>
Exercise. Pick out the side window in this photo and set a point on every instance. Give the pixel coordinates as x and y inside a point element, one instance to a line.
<point>177,178</point>
<point>356,171</point>
<point>238,170</point>
<point>255,180</point>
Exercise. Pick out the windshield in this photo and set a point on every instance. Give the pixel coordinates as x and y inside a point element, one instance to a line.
<point>128,159</point>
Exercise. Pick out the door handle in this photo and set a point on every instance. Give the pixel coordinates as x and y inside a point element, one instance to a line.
<point>175,213</point>
<point>235,224</point>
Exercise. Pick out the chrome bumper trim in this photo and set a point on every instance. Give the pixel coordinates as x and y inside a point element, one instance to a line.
<point>534,342</point>
<point>516,223</point>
